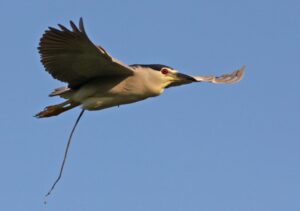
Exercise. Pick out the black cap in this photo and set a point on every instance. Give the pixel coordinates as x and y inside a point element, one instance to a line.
<point>157,67</point>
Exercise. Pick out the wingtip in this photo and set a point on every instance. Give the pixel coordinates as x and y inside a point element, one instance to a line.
<point>81,26</point>
<point>63,28</point>
<point>73,26</point>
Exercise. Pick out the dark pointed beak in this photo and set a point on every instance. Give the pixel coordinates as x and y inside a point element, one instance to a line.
<point>185,78</point>
<point>182,79</point>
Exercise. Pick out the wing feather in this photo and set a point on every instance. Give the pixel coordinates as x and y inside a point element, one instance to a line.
<point>70,56</point>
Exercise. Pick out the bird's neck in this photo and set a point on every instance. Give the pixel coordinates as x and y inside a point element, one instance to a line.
<point>152,86</point>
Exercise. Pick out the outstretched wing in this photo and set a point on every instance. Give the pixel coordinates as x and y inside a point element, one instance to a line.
<point>70,56</point>
<point>230,78</point>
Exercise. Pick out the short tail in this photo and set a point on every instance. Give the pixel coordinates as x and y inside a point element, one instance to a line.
<point>55,110</point>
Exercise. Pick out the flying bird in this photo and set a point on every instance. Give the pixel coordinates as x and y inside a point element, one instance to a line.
<point>97,81</point>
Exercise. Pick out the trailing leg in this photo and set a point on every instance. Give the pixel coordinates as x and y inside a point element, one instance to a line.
<point>57,109</point>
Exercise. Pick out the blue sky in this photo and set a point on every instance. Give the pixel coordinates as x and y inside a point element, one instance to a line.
<point>196,147</point>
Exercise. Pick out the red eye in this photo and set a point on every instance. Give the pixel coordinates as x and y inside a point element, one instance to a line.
<point>165,71</point>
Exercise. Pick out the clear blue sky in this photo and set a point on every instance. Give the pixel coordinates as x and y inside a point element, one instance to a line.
<point>198,147</point>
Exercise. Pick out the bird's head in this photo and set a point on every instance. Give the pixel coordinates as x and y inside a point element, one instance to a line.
<point>162,76</point>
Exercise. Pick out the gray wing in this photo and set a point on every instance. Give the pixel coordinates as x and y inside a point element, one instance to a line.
<point>70,56</point>
<point>230,78</point>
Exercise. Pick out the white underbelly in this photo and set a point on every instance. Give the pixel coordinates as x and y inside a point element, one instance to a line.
<point>104,94</point>
<point>97,103</point>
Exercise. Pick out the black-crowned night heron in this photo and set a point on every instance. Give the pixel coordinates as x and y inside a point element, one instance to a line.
<point>98,81</point>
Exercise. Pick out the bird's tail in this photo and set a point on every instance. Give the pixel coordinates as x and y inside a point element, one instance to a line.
<point>57,109</point>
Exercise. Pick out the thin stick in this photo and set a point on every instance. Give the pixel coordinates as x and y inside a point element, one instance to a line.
<point>65,157</point>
